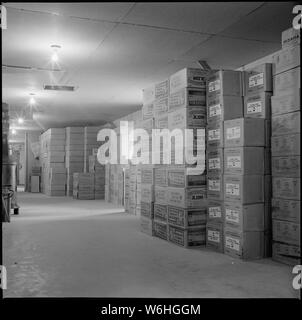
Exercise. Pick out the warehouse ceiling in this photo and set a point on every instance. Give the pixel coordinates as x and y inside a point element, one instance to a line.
<point>111,51</point>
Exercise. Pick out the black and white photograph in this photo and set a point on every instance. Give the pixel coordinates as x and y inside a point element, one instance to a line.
<point>150,150</point>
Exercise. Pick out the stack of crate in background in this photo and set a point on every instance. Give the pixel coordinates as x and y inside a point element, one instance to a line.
<point>99,177</point>
<point>286,150</point>
<point>186,192</point>
<point>246,188</point>
<point>224,102</point>
<point>83,186</point>
<point>74,160</point>
<point>53,162</point>
<point>90,144</point>
<point>147,199</point>
<point>146,173</point>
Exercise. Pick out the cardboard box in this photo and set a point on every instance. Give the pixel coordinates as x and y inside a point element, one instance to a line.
<point>286,145</point>
<point>146,225</point>
<point>244,160</point>
<point>258,79</point>
<point>192,237</point>
<point>290,38</point>
<point>286,253</point>
<point>244,132</point>
<point>221,108</point>
<point>215,187</point>
<point>160,212</point>
<point>187,118</point>
<point>285,124</point>
<point>188,78</point>
<point>288,210</point>
<point>161,195</point>
<point>161,176</point>
<point>288,166</point>
<point>147,193</point>
<point>148,111</point>
<point>186,218</point>
<point>147,174</point>
<point>224,83</point>
<point>215,135</point>
<point>214,239</point>
<point>187,97</point>
<point>182,177</point>
<point>149,94</point>
<point>147,209</point>
<point>160,230</point>
<point>286,103</point>
<point>244,217</point>
<point>285,231</point>
<point>161,107</point>
<point>245,189</point>
<point>186,197</point>
<point>287,81</point>
<point>286,59</point>
<point>162,89</point>
<point>215,161</point>
<point>161,122</point>
<point>286,188</point>
<point>258,105</point>
<point>215,211</point>
<point>244,245</point>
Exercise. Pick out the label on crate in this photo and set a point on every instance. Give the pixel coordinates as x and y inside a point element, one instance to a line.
<point>233,133</point>
<point>215,110</point>
<point>232,189</point>
<point>214,134</point>
<point>256,80</point>
<point>232,243</point>
<point>214,185</point>
<point>215,212</point>
<point>234,162</point>
<point>214,85</point>
<point>214,163</point>
<point>232,215</point>
<point>160,212</point>
<point>214,236</point>
<point>254,107</point>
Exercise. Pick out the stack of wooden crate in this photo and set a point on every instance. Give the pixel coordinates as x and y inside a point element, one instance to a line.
<point>74,160</point>
<point>286,156</point>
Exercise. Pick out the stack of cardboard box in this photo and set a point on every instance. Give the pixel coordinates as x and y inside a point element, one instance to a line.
<point>90,143</point>
<point>99,175</point>
<point>53,162</point>
<point>74,160</point>
<point>83,186</point>
<point>286,150</point>
<point>246,185</point>
<point>147,200</point>
<point>224,102</point>
<point>186,192</point>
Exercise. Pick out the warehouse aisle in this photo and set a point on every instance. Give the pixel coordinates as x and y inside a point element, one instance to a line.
<point>62,247</point>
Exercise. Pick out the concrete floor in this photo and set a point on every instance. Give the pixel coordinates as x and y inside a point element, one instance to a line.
<point>60,247</point>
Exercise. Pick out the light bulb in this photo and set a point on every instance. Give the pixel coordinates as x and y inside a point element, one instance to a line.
<point>54,57</point>
<point>14,131</point>
<point>20,120</point>
<point>32,101</point>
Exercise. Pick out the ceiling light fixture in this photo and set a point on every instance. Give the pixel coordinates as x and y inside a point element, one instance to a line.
<point>55,48</point>
<point>20,120</point>
<point>32,100</point>
<point>14,131</point>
